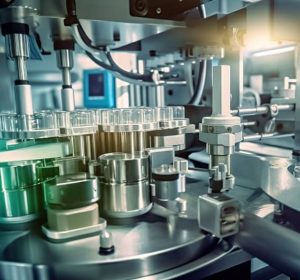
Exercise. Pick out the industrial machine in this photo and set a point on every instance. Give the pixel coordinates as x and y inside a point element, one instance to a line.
<point>149,139</point>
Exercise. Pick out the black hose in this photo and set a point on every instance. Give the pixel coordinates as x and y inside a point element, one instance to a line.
<point>73,19</point>
<point>112,69</point>
<point>71,7</point>
<point>100,62</point>
<point>134,76</point>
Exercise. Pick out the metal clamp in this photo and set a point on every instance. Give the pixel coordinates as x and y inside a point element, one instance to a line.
<point>219,214</point>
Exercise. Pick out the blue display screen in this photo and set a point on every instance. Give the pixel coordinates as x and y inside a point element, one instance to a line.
<point>96,85</point>
<point>99,89</point>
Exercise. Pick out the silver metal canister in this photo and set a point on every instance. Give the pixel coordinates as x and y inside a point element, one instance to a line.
<point>125,184</point>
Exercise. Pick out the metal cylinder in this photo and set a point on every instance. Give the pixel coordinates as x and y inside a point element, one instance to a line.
<point>262,136</point>
<point>124,168</point>
<point>160,96</point>
<point>64,58</point>
<point>19,176</point>
<point>21,69</point>
<point>84,145</point>
<point>23,99</point>
<point>71,191</point>
<point>71,165</point>
<point>21,203</point>
<point>125,191</point>
<point>68,101</point>
<point>125,142</point>
<point>167,183</point>
<point>106,242</point>
<point>125,200</point>
<point>66,77</point>
<point>272,243</point>
<point>167,190</point>
<point>17,45</point>
<point>182,166</point>
<point>262,109</point>
<point>20,192</point>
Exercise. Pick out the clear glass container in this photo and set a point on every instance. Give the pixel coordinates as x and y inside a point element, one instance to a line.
<point>45,120</point>
<point>127,119</point>
<point>82,118</point>
<point>178,112</point>
<point>63,119</point>
<point>164,114</point>
<point>149,115</point>
<point>39,125</point>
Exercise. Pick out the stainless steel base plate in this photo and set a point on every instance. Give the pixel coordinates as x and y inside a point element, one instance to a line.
<point>63,236</point>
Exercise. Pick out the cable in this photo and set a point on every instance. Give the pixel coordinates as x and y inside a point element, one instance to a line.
<point>145,77</point>
<point>72,19</point>
<point>195,100</point>
<point>100,62</point>
<point>85,43</point>
<point>199,89</point>
<point>188,70</point>
<point>118,75</point>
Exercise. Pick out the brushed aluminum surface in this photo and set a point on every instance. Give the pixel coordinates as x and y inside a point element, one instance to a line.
<point>159,245</point>
<point>71,191</point>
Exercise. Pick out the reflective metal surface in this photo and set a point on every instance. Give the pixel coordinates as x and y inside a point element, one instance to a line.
<point>23,99</point>
<point>125,184</point>
<point>125,200</point>
<point>270,174</point>
<point>18,175</point>
<point>103,24</point>
<point>36,151</point>
<point>21,192</point>
<point>160,245</point>
<point>71,165</point>
<point>21,202</point>
<point>124,168</point>
<point>157,242</point>
<point>71,191</point>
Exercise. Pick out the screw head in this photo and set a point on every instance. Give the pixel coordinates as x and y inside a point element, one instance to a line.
<point>141,7</point>
<point>158,11</point>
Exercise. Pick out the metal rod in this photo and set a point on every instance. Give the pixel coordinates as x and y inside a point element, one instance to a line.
<point>261,110</point>
<point>21,68</point>
<point>66,76</point>
<point>262,136</point>
<point>272,243</point>
<point>179,83</point>
<point>249,123</point>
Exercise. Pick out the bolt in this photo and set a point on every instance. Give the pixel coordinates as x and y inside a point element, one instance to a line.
<point>274,109</point>
<point>229,129</point>
<point>225,245</point>
<point>106,243</point>
<point>158,11</point>
<point>210,129</point>
<point>140,5</point>
<point>181,205</point>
